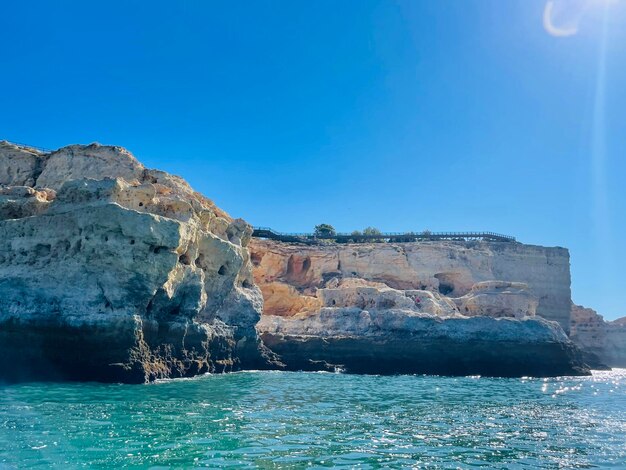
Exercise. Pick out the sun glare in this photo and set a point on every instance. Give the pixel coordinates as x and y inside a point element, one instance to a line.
<point>562,18</point>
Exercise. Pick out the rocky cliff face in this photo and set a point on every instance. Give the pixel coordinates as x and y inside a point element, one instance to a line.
<point>111,271</point>
<point>433,307</point>
<point>392,341</point>
<point>605,340</point>
<point>498,299</point>
<point>451,269</point>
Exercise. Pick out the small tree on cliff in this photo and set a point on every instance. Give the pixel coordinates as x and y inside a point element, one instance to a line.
<point>356,236</point>
<point>325,231</point>
<point>372,232</point>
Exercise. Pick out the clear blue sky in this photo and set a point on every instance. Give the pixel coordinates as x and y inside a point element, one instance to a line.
<point>440,114</point>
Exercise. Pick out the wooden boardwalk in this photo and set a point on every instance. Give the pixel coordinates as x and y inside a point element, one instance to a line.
<point>391,237</point>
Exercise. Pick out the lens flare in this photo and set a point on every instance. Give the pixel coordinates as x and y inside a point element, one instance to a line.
<point>600,208</point>
<point>561,18</point>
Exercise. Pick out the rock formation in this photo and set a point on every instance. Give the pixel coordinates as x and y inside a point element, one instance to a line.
<point>498,299</point>
<point>452,269</point>
<point>604,340</point>
<point>428,307</point>
<point>392,341</point>
<point>111,271</point>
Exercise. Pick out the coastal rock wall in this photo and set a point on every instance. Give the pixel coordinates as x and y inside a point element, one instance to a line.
<point>453,308</point>
<point>391,341</point>
<point>111,271</point>
<point>498,299</point>
<point>606,340</point>
<point>449,268</point>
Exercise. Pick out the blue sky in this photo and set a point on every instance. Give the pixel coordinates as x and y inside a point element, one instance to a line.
<point>412,115</point>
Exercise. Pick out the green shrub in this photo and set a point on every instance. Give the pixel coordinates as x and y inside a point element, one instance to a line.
<point>325,231</point>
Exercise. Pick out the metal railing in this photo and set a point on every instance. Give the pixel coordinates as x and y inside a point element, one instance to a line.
<point>267,232</point>
<point>27,146</point>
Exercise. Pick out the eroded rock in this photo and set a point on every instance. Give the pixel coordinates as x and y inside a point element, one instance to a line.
<point>604,341</point>
<point>110,271</point>
<point>498,299</point>
<point>408,308</point>
<point>392,341</point>
<point>449,268</point>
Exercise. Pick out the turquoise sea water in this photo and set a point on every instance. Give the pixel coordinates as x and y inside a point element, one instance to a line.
<point>276,419</point>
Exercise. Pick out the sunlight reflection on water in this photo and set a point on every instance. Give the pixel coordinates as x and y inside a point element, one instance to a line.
<point>275,418</point>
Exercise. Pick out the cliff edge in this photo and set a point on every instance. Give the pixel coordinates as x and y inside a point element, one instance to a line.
<point>448,268</point>
<point>111,271</point>
<point>604,341</point>
<point>445,307</point>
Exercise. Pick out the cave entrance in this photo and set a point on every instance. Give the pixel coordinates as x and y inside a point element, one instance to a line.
<point>297,269</point>
<point>447,283</point>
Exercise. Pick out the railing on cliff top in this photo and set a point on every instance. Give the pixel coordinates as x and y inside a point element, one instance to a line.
<point>27,146</point>
<point>395,237</point>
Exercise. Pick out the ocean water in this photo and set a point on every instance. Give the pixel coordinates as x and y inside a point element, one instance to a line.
<point>278,419</point>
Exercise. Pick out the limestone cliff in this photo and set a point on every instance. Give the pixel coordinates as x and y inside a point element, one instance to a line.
<point>392,341</point>
<point>451,269</point>
<point>604,339</point>
<point>428,307</point>
<point>498,299</point>
<point>112,271</point>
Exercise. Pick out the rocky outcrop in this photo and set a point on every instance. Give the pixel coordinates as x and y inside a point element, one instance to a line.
<point>498,299</point>
<point>111,271</point>
<point>20,165</point>
<point>604,341</point>
<point>449,268</point>
<point>352,293</point>
<point>413,308</point>
<point>285,300</point>
<point>391,341</point>
<point>615,346</point>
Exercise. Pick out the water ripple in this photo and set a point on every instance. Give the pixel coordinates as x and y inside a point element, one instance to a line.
<point>271,419</point>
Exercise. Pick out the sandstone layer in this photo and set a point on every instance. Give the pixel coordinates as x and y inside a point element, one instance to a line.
<point>449,268</point>
<point>111,271</point>
<point>454,308</point>
<point>604,340</point>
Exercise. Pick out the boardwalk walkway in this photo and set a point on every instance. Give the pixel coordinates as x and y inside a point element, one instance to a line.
<point>392,237</point>
<point>27,147</point>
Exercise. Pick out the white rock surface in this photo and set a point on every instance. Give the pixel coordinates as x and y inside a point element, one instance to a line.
<point>498,299</point>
